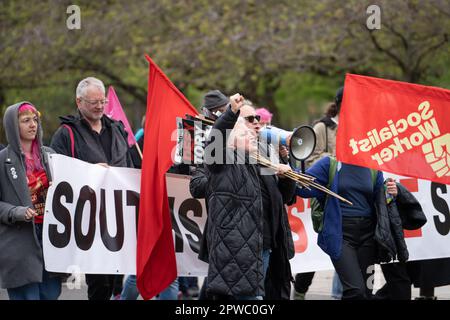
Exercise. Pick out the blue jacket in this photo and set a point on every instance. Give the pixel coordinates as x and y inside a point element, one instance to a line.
<point>330,238</point>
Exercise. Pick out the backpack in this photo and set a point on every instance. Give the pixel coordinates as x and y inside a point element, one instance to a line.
<point>328,124</point>
<point>318,206</point>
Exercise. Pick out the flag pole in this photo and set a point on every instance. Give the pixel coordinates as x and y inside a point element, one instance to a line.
<point>138,149</point>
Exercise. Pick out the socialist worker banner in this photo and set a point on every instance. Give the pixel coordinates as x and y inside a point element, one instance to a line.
<point>395,127</point>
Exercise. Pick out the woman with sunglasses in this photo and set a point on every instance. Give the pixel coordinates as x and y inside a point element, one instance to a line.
<point>246,214</point>
<point>248,113</point>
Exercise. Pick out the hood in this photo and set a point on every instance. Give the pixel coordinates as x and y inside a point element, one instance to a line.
<point>70,119</point>
<point>11,125</point>
<point>77,117</point>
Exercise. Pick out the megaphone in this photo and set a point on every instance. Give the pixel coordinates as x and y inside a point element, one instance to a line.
<point>301,141</point>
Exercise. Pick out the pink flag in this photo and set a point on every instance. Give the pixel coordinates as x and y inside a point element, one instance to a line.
<point>114,110</point>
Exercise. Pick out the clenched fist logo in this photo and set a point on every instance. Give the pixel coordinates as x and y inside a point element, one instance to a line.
<point>437,154</point>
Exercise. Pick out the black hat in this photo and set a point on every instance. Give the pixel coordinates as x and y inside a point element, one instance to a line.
<point>215,99</point>
<point>339,95</point>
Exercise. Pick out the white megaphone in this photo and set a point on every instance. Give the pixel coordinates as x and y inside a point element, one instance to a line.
<point>301,141</point>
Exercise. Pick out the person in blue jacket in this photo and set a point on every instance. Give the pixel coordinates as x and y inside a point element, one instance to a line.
<point>348,230</point>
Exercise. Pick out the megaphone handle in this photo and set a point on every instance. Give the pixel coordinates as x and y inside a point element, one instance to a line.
<point>303,166</point>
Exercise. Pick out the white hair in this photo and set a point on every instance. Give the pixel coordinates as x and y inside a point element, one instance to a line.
<point>87,82</point>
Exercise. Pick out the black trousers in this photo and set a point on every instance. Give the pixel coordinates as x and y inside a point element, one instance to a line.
<point>102,286</point>
<point>356,263</point>
<point>203,295</point>
<point>398,282</point>
<point>303,281</point>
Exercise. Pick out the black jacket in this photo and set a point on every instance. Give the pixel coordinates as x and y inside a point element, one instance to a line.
<point>234,228</point>
<point>403,213</point>
<point>86,148</point>
<point>197,187</point>
<point>199,182</point>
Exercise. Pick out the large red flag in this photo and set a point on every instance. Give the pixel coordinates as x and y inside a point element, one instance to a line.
<point>396,127</point>
<point>156,264</point>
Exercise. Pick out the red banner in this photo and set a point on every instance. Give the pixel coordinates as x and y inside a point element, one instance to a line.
<point>396,127</point>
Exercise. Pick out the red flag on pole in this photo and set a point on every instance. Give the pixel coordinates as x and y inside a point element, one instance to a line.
<point>156,264</point>
<point>114,110</point>
<point>396,127</point>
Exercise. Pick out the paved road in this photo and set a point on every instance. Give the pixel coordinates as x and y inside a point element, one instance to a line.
<point>319,290</point>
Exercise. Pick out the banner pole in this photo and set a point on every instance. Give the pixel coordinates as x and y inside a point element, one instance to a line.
<point>138,149</point>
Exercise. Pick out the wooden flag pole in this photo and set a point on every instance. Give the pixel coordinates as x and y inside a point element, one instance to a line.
<point>139,149</point>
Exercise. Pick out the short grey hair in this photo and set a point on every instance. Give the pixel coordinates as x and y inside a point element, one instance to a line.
<point>87,82</point>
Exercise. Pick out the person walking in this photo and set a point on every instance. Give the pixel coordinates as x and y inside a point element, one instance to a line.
<point>24,181</point>
<point>325,129</point>
<point>91,136</point>
<point>348,234</point>
<point>248,238</point>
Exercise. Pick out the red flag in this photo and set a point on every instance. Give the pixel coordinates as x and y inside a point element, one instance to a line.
<point>114,110</point>
<point>396,127</point>
<point>156,265</point>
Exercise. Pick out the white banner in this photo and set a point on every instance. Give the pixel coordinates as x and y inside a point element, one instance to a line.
<point>430,242</point>
<point>90,218</point>
<point>433,239</point>
<point>188,222</point>
<point>84,201</point>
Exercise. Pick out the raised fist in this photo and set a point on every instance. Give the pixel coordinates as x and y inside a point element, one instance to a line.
<point>237,101</point>
<point>437,154</point>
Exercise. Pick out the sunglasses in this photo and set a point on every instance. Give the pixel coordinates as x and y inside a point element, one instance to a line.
<point>251,119</point>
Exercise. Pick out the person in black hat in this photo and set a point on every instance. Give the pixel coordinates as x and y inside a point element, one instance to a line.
<point>214,104</point>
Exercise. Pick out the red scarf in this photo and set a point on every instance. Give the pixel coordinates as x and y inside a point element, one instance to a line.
<point>38,186</point>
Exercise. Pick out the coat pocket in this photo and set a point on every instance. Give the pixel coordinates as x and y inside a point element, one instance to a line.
<point>230,208</point>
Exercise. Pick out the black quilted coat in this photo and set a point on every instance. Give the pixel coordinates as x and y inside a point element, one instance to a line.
<point>403,213</point>
<point>234,231</point>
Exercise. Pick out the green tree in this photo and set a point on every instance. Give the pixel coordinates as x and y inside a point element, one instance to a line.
<point>289,56</point>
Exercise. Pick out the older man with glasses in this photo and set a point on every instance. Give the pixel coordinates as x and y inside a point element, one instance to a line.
<point>91,136</point>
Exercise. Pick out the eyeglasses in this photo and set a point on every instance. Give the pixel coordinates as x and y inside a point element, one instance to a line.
<point>95,102</point>
<point>251,119</point>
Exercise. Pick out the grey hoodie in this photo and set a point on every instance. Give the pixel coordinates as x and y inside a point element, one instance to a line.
<point>11,125</point>
<point>21,259</point>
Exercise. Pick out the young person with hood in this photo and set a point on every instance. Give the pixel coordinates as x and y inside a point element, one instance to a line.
<point>24,181</point>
